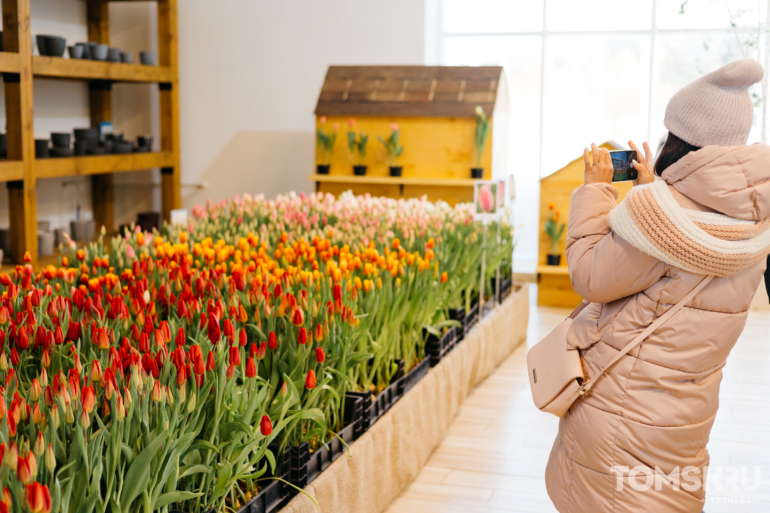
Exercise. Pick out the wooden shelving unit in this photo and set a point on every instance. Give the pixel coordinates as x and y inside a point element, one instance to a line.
<point>21,170</point>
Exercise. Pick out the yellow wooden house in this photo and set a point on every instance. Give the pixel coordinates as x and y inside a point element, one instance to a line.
<point>554,286</point>
<point>434,107</point>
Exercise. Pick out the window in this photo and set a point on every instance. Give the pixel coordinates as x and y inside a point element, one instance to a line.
<point>591,71</point>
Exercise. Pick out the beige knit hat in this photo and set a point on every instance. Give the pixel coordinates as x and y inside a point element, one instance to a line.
<point>716,108</point>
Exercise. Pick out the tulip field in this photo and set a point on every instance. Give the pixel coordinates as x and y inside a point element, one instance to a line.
<point>160,371</point>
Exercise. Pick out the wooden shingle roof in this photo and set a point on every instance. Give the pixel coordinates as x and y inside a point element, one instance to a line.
<point>439,91</point>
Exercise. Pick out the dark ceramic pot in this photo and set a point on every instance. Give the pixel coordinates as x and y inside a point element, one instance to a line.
<point>322,169</point>
<point>359,170</point>
<point>90,135</point>
<point>553,259</point>
<point>477,172</point>
<point>3,146</point>
<point>395,170</point>
<point>147,58</point>
<point>41,149</point>
<point>76,52</point>
<point>55,46</point>
<point>61,139</point>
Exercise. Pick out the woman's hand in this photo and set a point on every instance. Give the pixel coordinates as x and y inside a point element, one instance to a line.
<point>598,170</point>
<point>645,168</point>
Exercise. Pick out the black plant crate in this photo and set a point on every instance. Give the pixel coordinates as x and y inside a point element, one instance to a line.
<point>458,314</point>
<point>318,461</point>
<point>419,371</point>
<point>366,409</point>
<point>267,500</point>
<point>300,458</point>
<point>471,318</point>
<point>354,415</point>
<point>437,347</point>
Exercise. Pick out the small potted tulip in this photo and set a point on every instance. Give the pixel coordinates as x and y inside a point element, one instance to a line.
<point>325,146</point>
<point>554,230</point>
<point>393,148</point>
<point>357,146</point>
<point>482,131</point>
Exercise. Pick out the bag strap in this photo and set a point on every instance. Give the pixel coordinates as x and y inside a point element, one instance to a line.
<point>644,334</point>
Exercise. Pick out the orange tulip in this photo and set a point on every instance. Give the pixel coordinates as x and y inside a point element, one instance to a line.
<point>310,380</point>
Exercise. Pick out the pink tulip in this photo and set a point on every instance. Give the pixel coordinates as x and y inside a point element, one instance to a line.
<point>486,199</point>
<point>336,126</point>
<point>351,122</point>
<point>394,127</point>
<point>323,119</point>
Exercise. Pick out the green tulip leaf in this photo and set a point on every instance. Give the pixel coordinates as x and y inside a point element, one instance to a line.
<point>172,497</point>
<point>138,473</point>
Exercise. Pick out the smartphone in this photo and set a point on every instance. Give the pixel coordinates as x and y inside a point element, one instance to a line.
<point>623,169</point>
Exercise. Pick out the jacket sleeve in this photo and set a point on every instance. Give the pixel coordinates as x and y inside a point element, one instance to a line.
<point>602,266</point>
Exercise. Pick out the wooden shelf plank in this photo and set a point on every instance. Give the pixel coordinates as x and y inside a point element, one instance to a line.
<point>59,67</point>
<point>11,170</point>
<point>393,180</point>
<point>98,164</point>
<point>553,269</point>
<point>10,62</point>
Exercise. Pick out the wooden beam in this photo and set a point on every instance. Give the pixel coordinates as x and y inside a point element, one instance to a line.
<point>392,180</point>
<point>169,104</point>
<point>9,62</point>
<point>22,197</point>
<point>99,164</point>
<point>11,170</point>
<point>80,69</point>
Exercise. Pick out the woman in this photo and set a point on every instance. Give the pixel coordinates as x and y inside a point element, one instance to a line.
<point>637,441</point>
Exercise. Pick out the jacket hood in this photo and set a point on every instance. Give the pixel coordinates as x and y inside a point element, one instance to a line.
<point>733,180</point>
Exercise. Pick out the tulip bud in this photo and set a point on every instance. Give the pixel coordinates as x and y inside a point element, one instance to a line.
<point>55,416</point>
<point>180,337</point>
<point>43,378</point>
<point>136,378</point>
<point>266,427</point>
<point>48,396</point>
<point>310,380</point>
<point>96,371</point>
<point>319,355</point>
<point>155,394</point>
<point>23,472</point>
<point>128,399</point>
<point>69,415</point>
<point>39,444</point>
<point>260,354</point>
<point>284,389</point>
<point>182,389</point>
<point>50,458</point>
<point>230,371</point>
<point>272,341</point>
<point>302,336</point>
<point>88,399</point>
<point>319,332</point>
<point>235,355</point>
<point>169,396</point>
<point>35,390</point>
<point>37,416</point>
<point>3,362</point>
<point>121,413</point>
<point>11,457</point>
<point>85,421</point>
<point>191,403</point>
<point>32,462</point>
<point>251,368</point>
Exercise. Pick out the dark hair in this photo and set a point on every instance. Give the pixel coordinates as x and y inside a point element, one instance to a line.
<point>673,150</point>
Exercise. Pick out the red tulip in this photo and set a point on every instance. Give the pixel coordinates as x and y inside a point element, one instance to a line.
<point>265,426</point>
<point>23,472</point>
<point>180,337</point>
<point>37,497</point>
<point>88,398</point>
<point>198,366</point>
<point>210,363</point>
<point>260,354</point>
<point>272,341</point>
<point>302,337</point>
<point>310,380</point>
<point>298,318</point>
<point>242,338</point>
<point>251,368</point>
<point>319,355</point>
<point>235,355</point>
<point>319,332</point>
<point>214,332</point>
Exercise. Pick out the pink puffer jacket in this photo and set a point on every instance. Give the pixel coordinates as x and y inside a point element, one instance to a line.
<point>655,407</point>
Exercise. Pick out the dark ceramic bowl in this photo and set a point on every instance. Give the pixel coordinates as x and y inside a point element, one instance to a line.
<point>95,150</point>
<point>87,134</point>
<point>107,145</point>
<point>55,46</point>
<point>113,55</point>
<point>99,52</point>
<point>76,52</point>
<point>147,58</point>
<point>114,137</point>
<point>40,41</point>
<point>91,49</point>
<point>127,57</point>
<point>81,147</point>
<point>41,148</point>
<point>122,147</point>
<point>144,141</point>
<point>61,139</point>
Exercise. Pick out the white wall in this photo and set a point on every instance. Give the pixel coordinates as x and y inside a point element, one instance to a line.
<point>250,74</point>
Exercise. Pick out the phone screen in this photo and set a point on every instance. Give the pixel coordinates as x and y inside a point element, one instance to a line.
<point>623,169</point>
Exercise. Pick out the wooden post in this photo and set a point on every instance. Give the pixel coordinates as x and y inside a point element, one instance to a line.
<point>169,104</point>
<point>22,197</point>
<point>100,102</point>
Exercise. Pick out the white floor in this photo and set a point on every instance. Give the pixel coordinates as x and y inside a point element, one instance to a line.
<point>493,459</point>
